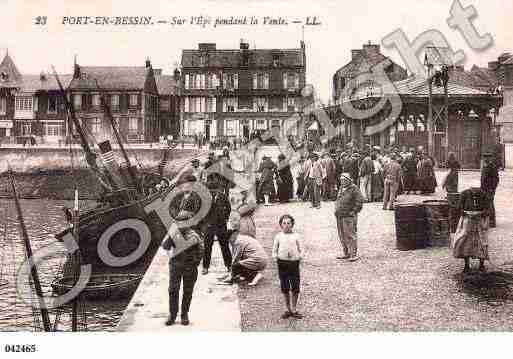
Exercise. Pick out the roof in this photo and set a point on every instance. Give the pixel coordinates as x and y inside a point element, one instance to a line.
<point>33,83</point>
<point>361,64</point>
<point>417,86</point>
<point>508,61</point>
<point>166,85</point>
<point>231,58</point>
<point>110,78</point>
<point>484,77</point>
<point>9,69</point>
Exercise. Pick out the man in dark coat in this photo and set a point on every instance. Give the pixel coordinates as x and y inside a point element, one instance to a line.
<point>489,183</point>
<point>214,225</point>
<point>348,205</point>
<point>183,263</point>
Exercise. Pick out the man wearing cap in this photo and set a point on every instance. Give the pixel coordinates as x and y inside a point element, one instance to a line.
<point>183,262</point>
<point>393,174</point>
<point>366,170</point>
<point>348,205</point>
<point>314,175</point>
<point>489,183</point>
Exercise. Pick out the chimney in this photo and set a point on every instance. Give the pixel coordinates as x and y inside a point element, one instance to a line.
<point>371,49</point>
<point>176,75</point>
<point>42,76</point>
<point>355,54</point>
<point>148,63</point>
<point>244,45</point>
<point>492,65</point>
<point>207,46</point>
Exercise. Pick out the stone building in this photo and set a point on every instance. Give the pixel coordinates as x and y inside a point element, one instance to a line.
<point>235,93</point>
<point>130,91</point>
<point>168,87</point>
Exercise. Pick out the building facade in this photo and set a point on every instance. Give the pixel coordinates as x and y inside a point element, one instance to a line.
<point>168,87</point>
<point>131,93</point>
<point>366,60</point>
<point>236,93</point>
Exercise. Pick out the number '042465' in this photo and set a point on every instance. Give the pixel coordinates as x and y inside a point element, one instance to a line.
<point>12,348</point>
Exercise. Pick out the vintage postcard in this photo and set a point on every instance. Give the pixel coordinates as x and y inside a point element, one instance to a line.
<point>175,168</point>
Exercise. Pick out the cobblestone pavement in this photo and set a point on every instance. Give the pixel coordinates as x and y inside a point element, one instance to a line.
<point>387,289</point>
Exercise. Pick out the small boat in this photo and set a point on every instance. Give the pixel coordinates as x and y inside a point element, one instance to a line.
<point>101,286</point>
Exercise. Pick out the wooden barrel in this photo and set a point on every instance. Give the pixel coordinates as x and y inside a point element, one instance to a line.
<point>437,216</point>
<point>410,226</point>
<point>454,212</point>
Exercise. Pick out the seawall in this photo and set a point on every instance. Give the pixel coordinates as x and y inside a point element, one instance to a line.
<point>48,172</point>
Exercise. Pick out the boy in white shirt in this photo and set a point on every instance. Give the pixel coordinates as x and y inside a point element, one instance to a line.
<point>288,251</point>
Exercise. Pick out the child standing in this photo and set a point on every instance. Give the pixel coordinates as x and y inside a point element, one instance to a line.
<point>287,250</point>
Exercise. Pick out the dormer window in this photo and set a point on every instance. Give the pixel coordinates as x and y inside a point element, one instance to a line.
<point>83,76</point>
<point>4,76</point>
<point>276,60</point>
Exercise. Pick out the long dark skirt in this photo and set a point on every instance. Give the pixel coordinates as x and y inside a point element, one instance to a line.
<point>377,187</point>
<point>410,181</point>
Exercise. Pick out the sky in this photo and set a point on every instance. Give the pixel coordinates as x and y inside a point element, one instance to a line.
<point>344,25</point>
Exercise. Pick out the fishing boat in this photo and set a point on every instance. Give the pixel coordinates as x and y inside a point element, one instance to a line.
<point>128,192</point>
<point>100,286</point>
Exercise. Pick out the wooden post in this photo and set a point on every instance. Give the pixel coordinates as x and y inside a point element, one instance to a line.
<point>446,117</point>
<point>430,116</point>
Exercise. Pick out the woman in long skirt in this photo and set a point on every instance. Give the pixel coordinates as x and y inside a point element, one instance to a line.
<point>470,239</point>
<point>409,173</point>
<point>284,180</point>
<point>266,186</point>
<point>377,180</point>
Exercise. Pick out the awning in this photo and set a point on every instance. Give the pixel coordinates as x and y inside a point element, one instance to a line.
<point>379,127</point>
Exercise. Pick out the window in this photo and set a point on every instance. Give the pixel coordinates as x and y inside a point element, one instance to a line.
<point>114,101</point>
<point>245,103</point>
<point>229,104</point>
<point>291,104</point>
<point>77,101</point>
<point>409,125</point>
<point>420,125</point>
<point>52,129</point>
<point>231,81</point>
<point>392,135</point>
<point>230,127</point>
<point>24,103</point>
<point>3,105</point>
<point>400,125</point>
<point>164,104</point>
<point>26,129</point>
<point>260,104</point>
<point>276,103</point>
<point>134,99</point>
<point>96,100</point>
<point>261,81</point>
<point>261,125</point>
<point>52,104</point>
<point>211,104</point>
<point>291,80</point>
<point>133,125</point>
<point>276,60</point>
<point>96,126</point>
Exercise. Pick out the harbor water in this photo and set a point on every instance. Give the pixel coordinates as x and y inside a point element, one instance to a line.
<point>43,219</point>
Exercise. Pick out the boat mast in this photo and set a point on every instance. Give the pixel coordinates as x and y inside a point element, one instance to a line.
<point>130,169</point>
<point>76,265</point>
<point>90,155</point>
<point>28,251</point>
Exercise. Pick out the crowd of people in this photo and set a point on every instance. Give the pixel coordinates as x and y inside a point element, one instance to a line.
<point>350,178</point>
